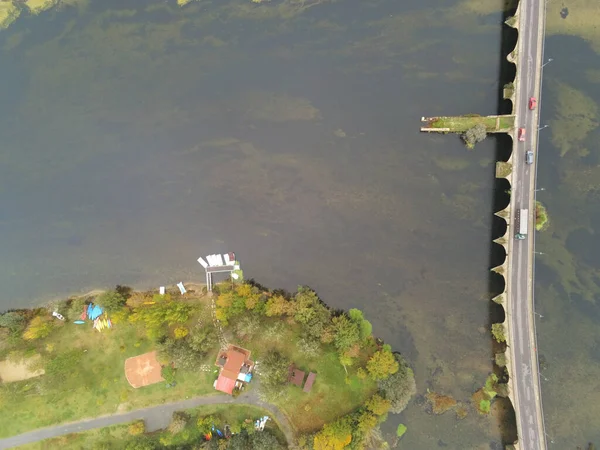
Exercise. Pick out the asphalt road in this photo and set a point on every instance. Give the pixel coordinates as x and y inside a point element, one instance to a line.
<point>526,389</point>
<point>156,418</point>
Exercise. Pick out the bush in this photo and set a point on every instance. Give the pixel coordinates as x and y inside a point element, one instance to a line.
<point>180,332</point>
<point>39,328</point>
<point>111,301</point>
<point>382,364</point>
<point>168,373</point>
<point>136,428</point>
<point>399,387</point>
<point>13,321</point>
<point>178,422</point>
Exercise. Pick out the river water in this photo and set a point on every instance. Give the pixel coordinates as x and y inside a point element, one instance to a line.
<point>137,136</point>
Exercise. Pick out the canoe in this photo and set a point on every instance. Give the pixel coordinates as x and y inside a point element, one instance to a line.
<point>79,322</point>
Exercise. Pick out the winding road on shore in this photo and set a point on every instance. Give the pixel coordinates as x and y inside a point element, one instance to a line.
<point>156,417</point>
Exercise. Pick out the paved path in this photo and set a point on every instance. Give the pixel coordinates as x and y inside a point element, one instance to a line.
<point>520,313</point>
<point>156,417</point>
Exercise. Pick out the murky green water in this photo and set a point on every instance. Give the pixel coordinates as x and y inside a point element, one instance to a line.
<point>137,136</point>
<point>568,282</point>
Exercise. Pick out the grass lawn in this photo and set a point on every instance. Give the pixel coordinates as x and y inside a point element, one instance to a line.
<point>331,396</point>
<point>115,435</point>
<point>459,124</point>
<point>98,385</point>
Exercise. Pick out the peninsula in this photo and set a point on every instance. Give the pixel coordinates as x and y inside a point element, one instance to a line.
<point>281,363</point>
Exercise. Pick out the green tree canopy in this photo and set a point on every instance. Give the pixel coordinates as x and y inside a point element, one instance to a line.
<point>399,387</point>
<point>111,301</point>
<point>382,364</point>
<point>346,332</point>
<point>12,320</point>
<point>364,326</point>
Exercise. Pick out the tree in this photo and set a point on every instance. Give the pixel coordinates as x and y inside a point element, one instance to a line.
<point>12,320</point>
<point>498,332</point>
<point>309,346</point>
<point>136,428</point>
<point>378,405</point>
<point>346,332</point>
<point>264,440</point>
<point>364,326</point>
<point>140,443</point>
<point>334,436</point>
<point>474,135</point>
<point>366,421</point>
<point>382,364</point>
<point>206,423</point>
<point>180,332</point>
<point>111,301</point>
<point>162,312</point>
<point>178,422</point>
<point>239,441</point>
<point>273,374</point>
<point>247,326</point>
<point>399,387</point>
<point>38,328</point>
<point>277,306</point>
<point>308,308</point>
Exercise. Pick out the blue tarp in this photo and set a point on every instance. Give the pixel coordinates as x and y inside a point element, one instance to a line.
<point>94,312</point>
<point>248,377</point>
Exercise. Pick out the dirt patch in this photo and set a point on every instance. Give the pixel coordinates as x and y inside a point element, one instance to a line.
<point>19,370</point>
<point>143,370</point>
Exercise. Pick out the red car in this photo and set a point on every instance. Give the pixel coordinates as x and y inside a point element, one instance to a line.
<point>522,134</point>
<point>532,103</point>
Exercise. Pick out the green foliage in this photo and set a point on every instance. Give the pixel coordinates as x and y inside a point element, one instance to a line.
<point>378,405</point>
<point>189,352</point>
<point>484,406</point>
<point>14,321</point>
<point>124,291</point>
<point>309,346</point>
<point>382,364</point>
<point>334,436</point>
<point>346,332</point>
<point>273,373</point>
<point>278,305</point>
<point>206,423</point>
<point>474,135</point>
<point>136,428</point>
<point>401,430</point>
<point>39,327</point>
<point>140,443</point>
<point>498,332</point>
<point>247,326</point>
<point>178,422</point>
<point>500,359</point>
<point>168,373</point>
<point>364,325</point>
<point>162,312</point>
<point>264,440</point>
<point>309,311</point>
<point>111,301</point>
<point>75,309</point>
<point>399,387</point>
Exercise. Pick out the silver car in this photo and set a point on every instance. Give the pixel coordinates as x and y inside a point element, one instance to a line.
<point>529,157</point>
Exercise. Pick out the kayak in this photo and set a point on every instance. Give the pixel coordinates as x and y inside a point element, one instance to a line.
<point>79,322</point>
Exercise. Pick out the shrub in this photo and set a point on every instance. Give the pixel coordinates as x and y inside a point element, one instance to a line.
<point>168,373</point>
<point>180,332</point>
<point>178,422</point>
<point>382,364</point>
<point>399,387</point>
<point>111,301</point>
<point>136,428</point>
<point>13,321</point>
<point>39,328</point>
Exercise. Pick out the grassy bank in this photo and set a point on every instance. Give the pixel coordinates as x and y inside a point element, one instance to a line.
<point>460,124</point>
<point>119,436</point>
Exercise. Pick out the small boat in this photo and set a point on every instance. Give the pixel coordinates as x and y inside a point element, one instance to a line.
<point>79,322</point>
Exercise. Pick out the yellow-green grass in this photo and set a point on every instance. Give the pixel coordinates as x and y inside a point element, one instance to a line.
<point>542,221</point>
<point>99,385</point>
<point>114,436</point>
<point>459,124</point>
<point>332,395</point>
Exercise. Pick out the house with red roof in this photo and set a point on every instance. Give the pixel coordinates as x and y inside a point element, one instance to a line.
<point>236,369</point>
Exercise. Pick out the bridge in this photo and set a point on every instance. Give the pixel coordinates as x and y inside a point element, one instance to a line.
<point>519,266</point>
<point>518,297</point>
